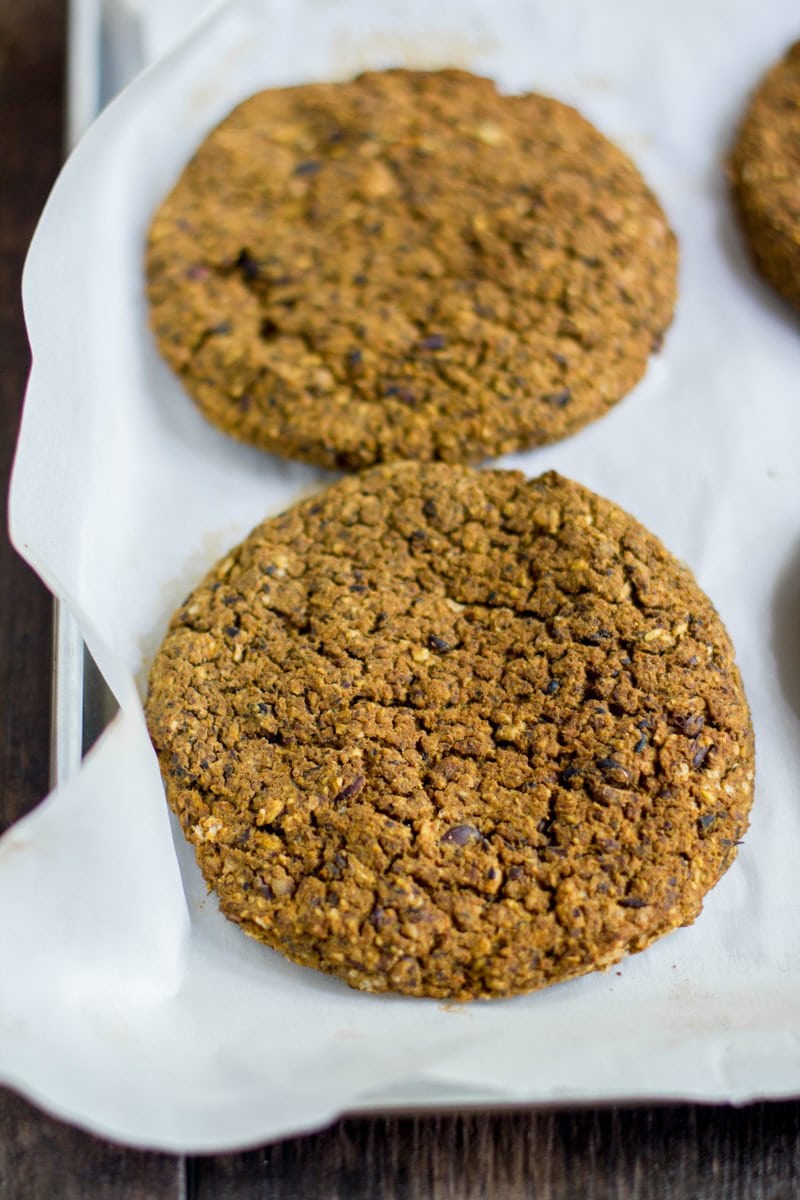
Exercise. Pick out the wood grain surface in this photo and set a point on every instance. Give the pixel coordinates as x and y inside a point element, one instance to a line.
<point>616,1154</point>
<point>676,1153</point>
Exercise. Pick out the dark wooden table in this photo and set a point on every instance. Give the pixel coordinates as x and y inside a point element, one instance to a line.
<point>677,1152</point>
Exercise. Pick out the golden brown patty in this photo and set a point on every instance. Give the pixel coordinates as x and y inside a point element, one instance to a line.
<point>765,173</point>
<point>408,266</point>
<point>454,733</point>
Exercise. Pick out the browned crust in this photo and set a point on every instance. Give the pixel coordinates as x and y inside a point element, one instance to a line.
<point>765,176</point>
<point>408,265</point>
<point>454,733</point>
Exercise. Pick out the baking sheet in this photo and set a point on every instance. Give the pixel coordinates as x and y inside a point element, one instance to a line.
<point>126,1002</point>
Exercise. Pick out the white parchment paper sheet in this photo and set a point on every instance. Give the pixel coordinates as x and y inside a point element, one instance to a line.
<point>126,1002</point>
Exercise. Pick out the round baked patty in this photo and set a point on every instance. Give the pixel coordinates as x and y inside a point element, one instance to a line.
<point>408,265</point>
<point>454,733</point>
<point>765,174</point>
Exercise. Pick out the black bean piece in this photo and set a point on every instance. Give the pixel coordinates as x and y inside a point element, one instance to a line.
<point>568,774</point>
<point>700,755</point>
<point>690,725</point>
<point>405,394</point>
<point>378,918</point>
<point>558,399</point>
<point>351,790</point>
<point>461,835</point>
<point>248,265</point>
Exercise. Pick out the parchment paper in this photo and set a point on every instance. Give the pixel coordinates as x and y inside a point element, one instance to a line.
<point>127,1003</point>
